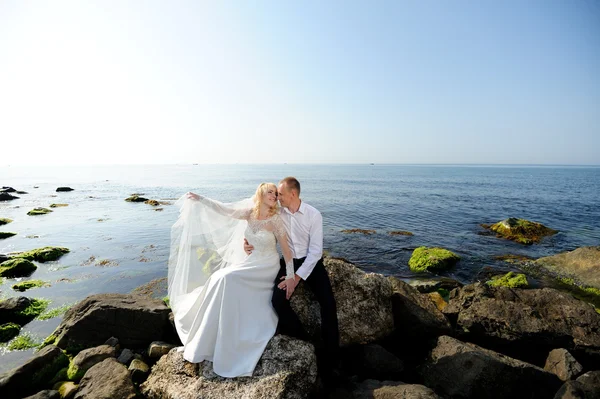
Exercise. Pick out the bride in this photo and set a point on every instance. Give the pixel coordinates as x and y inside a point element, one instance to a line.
<point>221,297</point>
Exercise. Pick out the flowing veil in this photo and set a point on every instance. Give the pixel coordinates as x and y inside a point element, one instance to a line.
<point>202,242</point>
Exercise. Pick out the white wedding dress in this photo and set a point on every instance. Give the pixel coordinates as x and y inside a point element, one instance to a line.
<point>228,318</point>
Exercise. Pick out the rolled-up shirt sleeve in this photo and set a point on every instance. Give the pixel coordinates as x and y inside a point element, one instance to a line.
<point>315,246</point>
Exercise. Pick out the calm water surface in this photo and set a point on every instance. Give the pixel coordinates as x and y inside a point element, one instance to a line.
<point>442,205</point>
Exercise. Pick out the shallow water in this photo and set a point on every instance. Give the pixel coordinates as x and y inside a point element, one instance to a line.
<point>442,205</point>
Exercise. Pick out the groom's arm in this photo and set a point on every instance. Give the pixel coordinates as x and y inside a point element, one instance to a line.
<point>315,247</point>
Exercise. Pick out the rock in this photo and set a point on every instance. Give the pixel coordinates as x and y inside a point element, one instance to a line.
<point>45,394</point>
<point>526,324</point>
<point>88,358</point>
<point>16,268</point>
<point>135,198</point>
<point>38,211</point>
<point>3,258</point>
<point>434,284</point>
<point>400,233</point>
<point>107,379</point>
<point>563,364</point>
<point>22,192</point>
<point>4,221</point>
<point>371,361</point>
<point>58,205</point>
<point>415,315</point>
<point>135,320</point>
<point>520,230</point>
<point>459,369</point>
<point>7,189</point>
<point>158,349</point>
<point>7,197</point>
<point>437,300</point>
<point>432,259</point>
<point>28,284</point>
<point>126,357</point>
<point>45,254</point>
<point>33,374</point>
<point>585,387</point>
<point>66,389</point>
<point>8,331</point>
<point>63,189</point>
<point>6,234</point>
<point>580,264</point>
<point>10,309</point>
<point>371,389</point>
<point>364,307</point>
<point>152,202</point>
<point>510,280</point>
<point>138,370</point>
<point>361,231</point>
<point>286,370</point>
<point>113,341</point>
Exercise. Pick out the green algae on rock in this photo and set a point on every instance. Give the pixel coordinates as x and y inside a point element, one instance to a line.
<point>8,331</point>
<point>510,280</point>
<point>38,211</point>
<point>16,267</point>
<point>52,313</point>
<point>400,233</point>
<point>45,254</point>
<point>58,205</point>
<point>4,221</point>
<point>5,234</point>
<point>136,198</point>
<point>35,308</point>
<point>22,342</point>
<point>432,259</point>
<point>363,231</point>
<point>25,285</point>
<point>520,230</point>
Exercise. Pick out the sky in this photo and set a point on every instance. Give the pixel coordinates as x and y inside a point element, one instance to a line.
<point>432,82</point>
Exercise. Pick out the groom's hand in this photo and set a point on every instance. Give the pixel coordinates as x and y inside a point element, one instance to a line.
<point>289,285</point>
<point>247,247</point>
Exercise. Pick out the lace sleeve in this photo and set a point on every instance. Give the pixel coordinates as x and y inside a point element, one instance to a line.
<point>225,210</point>
<point>282,237</point>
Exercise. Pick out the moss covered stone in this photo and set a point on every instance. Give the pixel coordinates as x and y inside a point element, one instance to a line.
<point>38,211</point>
<point>45,254</point>
<point>510,280</point>
<point>521,230</point>
<point>61,375</point>
<point>35,308</point>
<point>361,231</point>
<point>25,285</point>
<point>50,370</point>
<point>4,221</point>
<point>58,205</point>
<point>400,233</point>
<point>74,373</point>
<point>8,331</point>
<point>6,234</point>
<point>22,342</point>
<point>432,259</point>
<point>16,267</point>
<point>136,198</point>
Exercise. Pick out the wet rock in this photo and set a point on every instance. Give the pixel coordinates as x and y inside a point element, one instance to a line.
<point>158,349</point>
<point>4,221</point>
<point>138,370</point>
<point>286,370</point>
<point>580,264</point>
<point>33,374</point>
<point>526,324</point>
<point>135,198</point>
<point>361,231</point>
<point>63,189</point>
<point>107,379</point>
<point>7,197</point>
<point>6,234</point>
<point>152,202</point>
<point>45,254</point>
<point>510,280</point>
<point>10,309</point>
<point>26,285</point>
<point>8,331</point>
<point>7,189</point>
<point>459,369</point>
<point>58,205</point>
<point>563,364</point>
<point>135,320</point>
<point>520,230</point>
<point>38,211</point>
<point>16,267</point>
<point>66,389</point>
<point>364,306</point>
<point>432,259</point>
<point>88,358</point>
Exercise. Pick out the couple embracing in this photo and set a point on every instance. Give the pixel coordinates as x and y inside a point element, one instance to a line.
<point>228,288</point>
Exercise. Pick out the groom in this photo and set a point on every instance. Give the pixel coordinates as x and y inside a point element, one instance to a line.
<point>304,225</point>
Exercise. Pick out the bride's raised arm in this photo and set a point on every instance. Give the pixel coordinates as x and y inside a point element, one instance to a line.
<point>221,208</point>
<point>281,235</point>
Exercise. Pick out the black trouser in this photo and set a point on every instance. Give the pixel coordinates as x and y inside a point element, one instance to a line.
<point>289,323</point>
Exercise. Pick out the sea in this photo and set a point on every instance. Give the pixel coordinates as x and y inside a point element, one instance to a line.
<point>117,246</point>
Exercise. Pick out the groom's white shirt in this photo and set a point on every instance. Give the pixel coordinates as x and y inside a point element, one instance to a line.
<point>305,236</point>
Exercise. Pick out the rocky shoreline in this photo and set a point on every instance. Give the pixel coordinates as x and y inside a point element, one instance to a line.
<point>486,342</point>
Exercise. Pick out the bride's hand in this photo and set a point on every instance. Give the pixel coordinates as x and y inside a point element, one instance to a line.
<point>193,196</point>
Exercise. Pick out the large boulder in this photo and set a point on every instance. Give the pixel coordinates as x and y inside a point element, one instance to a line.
<point>33,374</point>
<point>425,259</point>
<point>582,265</point>
<point>88,358</point>
<point>364,306</point>
<point>585,387</point>
<point>286,370</point>
<point>107,379</point>
<point>526,324</point>
<point>373,389</point>
<point>459,369</point>
<point>16,268</point>
<point>134,320</point>
<point>563,364</point>
<point>11,309</point>
<point>520,230</point>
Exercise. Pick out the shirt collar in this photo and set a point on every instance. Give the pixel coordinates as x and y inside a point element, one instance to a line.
<point>301,209</point>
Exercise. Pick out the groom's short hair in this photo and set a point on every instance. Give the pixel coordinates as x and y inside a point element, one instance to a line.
<point>292,183</point>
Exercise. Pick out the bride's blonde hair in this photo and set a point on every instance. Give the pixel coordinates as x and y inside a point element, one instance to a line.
<point>262,189</point>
